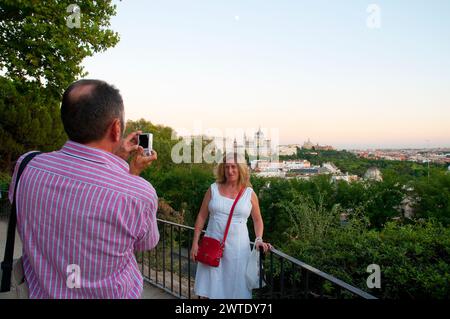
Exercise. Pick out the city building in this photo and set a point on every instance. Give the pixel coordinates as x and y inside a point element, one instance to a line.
<point>331,168</point>
<point>374,174</point>
<point>298,164</point>
<point>305,171</point>
<point>287,150</point>
<point>259,146</point>
<point>308,145</point>
<point>347,178</point>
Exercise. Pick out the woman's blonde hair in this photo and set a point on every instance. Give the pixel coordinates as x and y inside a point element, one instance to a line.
<point>239,160</point>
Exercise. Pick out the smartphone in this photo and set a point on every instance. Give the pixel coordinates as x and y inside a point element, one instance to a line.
<point>146,141</point>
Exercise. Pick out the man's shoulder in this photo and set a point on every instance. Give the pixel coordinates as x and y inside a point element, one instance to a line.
<point>142,189</point>
<point>21,158</point>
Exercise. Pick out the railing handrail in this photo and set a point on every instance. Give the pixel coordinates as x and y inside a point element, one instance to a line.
<point>301,264</point>
<point>295,261</point>
<point>324,275</point>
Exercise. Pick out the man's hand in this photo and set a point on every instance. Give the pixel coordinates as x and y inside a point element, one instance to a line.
<point>128,145</point>
<point>140,162</point>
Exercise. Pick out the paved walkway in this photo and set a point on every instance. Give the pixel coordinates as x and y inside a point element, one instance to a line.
<point>150,292</point>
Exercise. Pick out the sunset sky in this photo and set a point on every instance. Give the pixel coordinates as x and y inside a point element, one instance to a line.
<point>311,69</point>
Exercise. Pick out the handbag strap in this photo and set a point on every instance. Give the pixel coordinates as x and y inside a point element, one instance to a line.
<point>231,215</point>
<point>7,263</point>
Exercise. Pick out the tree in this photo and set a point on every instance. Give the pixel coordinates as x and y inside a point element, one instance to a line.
<point>40,55</point>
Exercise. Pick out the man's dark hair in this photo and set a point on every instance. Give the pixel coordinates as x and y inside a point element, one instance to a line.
<point>88,109</point>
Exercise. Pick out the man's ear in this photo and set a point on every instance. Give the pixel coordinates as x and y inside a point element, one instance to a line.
<point>116,131</point>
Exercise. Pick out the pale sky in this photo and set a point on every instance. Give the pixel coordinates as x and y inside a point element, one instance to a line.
<point>311,69</point>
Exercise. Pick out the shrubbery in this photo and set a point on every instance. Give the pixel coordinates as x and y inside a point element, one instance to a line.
<point>182,187</point>
<point>5,180</point>
<point>414,259</point>
<point>302,218</point>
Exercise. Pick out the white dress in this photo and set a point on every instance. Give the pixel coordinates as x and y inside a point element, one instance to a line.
<point>228,280</point>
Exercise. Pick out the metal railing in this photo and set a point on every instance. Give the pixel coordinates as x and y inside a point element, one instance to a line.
<point>170,268</point>
<point>288,278</point>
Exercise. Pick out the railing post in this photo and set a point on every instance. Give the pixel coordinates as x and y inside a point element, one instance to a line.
<point>271,275</point>
<point>281,277</point>
<point>171,257</point>
<point>339,293</point>
<point>156,263</point>
<point>179,258</point>
<point>189,265</point>
<point>321,288</point>
<point>261,258</point>
<point>164,255</point>
<point>142,262</point>
<point>293,274</point>
<point>149,265</point>
<point>305,274</point>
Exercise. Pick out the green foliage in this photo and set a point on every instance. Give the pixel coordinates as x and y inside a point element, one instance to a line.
<point>433,196</point>
<point>183,188</point>
<point>39,57</point>
<point>379,200</point>
<point>29,120</point>
<point>270,192</point>
<point>414,259</point>
<point>308,221</point>
<point>349,162</point>
<point>5,180</point>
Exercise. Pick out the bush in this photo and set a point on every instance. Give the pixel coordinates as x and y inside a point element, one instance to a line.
<point>5,180</point>
<point>414,259</point>
<point>182,188</point>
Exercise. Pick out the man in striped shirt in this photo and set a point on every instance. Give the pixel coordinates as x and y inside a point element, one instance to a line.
<point>83,211</point>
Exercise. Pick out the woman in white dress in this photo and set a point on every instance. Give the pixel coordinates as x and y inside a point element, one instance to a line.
<point>228,280</point>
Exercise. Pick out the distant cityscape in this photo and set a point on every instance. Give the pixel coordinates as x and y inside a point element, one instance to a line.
<point>302,169</point>
<point>420,155</point>
<point>264,157</point>
<point>435,155</point>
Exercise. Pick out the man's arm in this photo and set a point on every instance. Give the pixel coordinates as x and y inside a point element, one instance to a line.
<point>149,234</point>
<point>14,177</point>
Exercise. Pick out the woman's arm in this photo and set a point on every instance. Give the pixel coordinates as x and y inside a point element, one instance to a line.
<point>258,223</point>
<point>200,223</point>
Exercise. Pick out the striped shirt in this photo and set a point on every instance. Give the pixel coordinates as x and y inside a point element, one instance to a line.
<point>81,216</point>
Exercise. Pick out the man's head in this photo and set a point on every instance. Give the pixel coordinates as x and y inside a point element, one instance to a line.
<point>91,111</point>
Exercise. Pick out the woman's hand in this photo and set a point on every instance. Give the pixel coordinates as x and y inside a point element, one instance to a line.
<point>265,246</point>
<point>194,251</point>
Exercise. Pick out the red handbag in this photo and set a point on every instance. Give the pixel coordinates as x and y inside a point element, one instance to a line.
<point>210,250</point>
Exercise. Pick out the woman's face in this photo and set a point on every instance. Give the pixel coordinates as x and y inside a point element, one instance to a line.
<point>231,172</point>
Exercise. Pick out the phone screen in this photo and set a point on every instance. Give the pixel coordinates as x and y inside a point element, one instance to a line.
<point>143,140</point>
